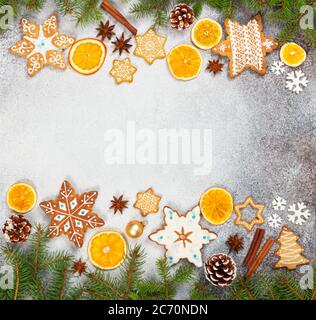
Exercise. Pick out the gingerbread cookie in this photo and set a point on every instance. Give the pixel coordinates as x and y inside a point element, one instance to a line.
<point>71,214</point>
<point>246,46</point>
<point>42,45</point>
<point>258,219</point>
<point>150,46</point>
<point>147,202</point>
<point>123,71</point>
<point>182,236</point>
<point>289,251</point>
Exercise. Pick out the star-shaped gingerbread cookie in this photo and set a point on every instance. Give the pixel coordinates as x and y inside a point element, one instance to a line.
<point>246,46</point>
<point>150,46</point>
<point>123,71</point>
<point>71,214</point>
<point>42,45</point>
<point>147,202</point>
<point>258,219</point>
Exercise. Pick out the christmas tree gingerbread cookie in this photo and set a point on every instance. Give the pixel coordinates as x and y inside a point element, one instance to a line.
<point>289,251</point>
<point>182,236</point>
<point>42,45</point>
<point>246,47</point>
<point>71,214</point>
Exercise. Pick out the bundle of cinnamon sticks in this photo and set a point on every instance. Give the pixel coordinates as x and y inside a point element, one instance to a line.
<point>254,258</point>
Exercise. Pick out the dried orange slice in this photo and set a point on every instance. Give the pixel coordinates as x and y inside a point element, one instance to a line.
<point>292,54</point>
<point>216,205</point>
<point>184,62</point>
<point>107,249</point>
<point>206,33</point>
<point>21,197</point>
<point>87,56</point>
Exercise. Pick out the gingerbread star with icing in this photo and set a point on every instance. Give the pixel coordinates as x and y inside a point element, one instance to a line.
<point>246,46</point>
<point>42,45</point>
<point>147,202</point>
<point>258,219</point>
<point>123,71</point>
<point>150,46</point>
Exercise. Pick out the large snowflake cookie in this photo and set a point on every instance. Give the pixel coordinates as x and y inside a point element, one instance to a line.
<point>182,236</point>
<point>71,214</point>
<point>246,46</point>
<point>42,45</point>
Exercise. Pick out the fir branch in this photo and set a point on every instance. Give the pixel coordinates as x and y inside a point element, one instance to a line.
<point>88,11</point>
<point>164,270</point>
<point>67,6</point>
<point>200,291</point>
<point>288,287</point>
<point>34,5</point>
<point>131,270</point>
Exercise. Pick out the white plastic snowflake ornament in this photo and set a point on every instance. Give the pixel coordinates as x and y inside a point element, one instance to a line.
<point>182,236</point>
<point>277,67</point>
<point>299,214</point>
<point>296,81</point>
<point>274,221</point>
<point>71,214</point>
<point>42,45</point>
<point>279,204</point>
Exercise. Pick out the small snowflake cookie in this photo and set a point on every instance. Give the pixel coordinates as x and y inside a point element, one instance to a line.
<point>299,213</point>
<point>42,45</point>
<point>182,236</point>
<point>274,221</point>
<point>296,81</point>
<point>277,67</point>
<point>279,204</point>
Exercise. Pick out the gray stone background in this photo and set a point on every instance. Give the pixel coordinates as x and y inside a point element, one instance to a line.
<point>52,128</point>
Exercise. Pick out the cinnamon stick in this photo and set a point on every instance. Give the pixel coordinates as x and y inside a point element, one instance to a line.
<point>254,247</point>
<point>260,257</point>
<point>106,5</point>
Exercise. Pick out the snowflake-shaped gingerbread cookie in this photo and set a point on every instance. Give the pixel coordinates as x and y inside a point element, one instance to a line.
<point>71,214</point>
<point>299,214</point>
<point>150,46</point>
<point>123,71</point>
<point>182,236</point>
<point>42,45</point>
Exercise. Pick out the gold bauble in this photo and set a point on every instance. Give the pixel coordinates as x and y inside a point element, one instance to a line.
<point>135,229</point>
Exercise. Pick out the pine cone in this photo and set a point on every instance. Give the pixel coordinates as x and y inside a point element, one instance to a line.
<point>16,229</point>
<point>181,16</point>
<point>220,270</point>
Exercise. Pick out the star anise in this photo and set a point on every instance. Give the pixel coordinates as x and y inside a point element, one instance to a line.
<point>79,267</point>
<point>214,66</point>
<point>118,204</point>
<point>122,44</point>
<point>105,30</point>
<point>235,243</point>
